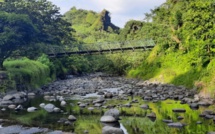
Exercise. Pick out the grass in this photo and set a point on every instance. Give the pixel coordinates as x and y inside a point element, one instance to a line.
<point>31,118</point>
<point>28,72</point>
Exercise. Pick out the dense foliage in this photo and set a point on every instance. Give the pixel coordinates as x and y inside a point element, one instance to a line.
<point>26,24</point>
<point>27,74</point>
<point>184,55</point>
<point>90,26</point>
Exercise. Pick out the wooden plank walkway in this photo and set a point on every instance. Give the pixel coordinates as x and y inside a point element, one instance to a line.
<point>89,52</point>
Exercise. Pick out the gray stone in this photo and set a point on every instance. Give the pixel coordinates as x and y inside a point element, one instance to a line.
<point>8,97</point>
<point>111,130</point>
<point>113,112</point>
<point>194,105</point>
<point>144,106</point>
<point>82,105</point>
<point>56,109</point>
<point>203,103</point>
<point>31,94</point>
<point>176,125</point>
<point>6,103</point>
<point>49,107</point>
<point>72,118</point>
<point>12,106</point>
<point>31,109</point>
<point>42,105</point>
<point>63,103</point>
<point>107,119</point>
<point>90,108</point>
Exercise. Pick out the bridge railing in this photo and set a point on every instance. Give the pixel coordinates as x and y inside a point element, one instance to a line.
<point>101,47</point>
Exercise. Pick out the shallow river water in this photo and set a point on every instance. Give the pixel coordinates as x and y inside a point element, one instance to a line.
<point>133,119</point>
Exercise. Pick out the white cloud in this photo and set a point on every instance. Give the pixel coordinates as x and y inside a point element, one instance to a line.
<point>121,10</point>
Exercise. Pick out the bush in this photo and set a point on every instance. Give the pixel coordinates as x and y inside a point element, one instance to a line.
<point>27,73</point>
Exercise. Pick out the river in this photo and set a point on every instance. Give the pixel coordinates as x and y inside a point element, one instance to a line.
<point>145,108</point>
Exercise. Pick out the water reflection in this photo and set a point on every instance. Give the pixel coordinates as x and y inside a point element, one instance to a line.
<point>133,119</point>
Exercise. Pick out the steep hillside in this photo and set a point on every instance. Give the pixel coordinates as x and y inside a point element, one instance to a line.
<point>185,46</point>
<point>90,26</point>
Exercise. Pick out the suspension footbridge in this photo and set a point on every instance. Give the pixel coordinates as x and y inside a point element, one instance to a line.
<point>100,48</point>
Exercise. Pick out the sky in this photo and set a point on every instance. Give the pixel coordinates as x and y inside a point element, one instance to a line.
<point>121,10</point>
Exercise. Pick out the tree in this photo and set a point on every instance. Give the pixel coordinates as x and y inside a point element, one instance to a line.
<point>16,31</point>
<point>31,23</point>
<point>45,16</point>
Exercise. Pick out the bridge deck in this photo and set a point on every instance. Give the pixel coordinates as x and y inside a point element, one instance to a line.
<point>99,51</point>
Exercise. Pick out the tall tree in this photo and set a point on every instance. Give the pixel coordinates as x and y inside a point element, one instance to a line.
<point>45,16</point>
<point>16,31</point>
<point>31,18</point>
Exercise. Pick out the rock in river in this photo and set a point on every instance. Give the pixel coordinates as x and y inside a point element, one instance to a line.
<point>111,130</point>
<point>108,119</point>
<point>113,112</point>
<point>176,125</point>
<point>49,107</point>
<point>31,109</point>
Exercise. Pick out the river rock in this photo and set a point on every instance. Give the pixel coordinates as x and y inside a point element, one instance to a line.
<point>144,106</point>
<point>56,110</point>
<point>8,97</point>
<point>111,130</point>
<point>98,105</point>
<point>63,103</point>
<point>176,125</point>
<point>194,105</point>
<point>82,105</point>
<point>19,107</point>
<point>31,94</point>
<point>6,102</point>
<point>113,112</point>
<point>11,106</point>
<point>167,121</point>
<point>42,105</point>
<point>49,107</point>
<point>107,119</point>
<point>204,103</point>
<point>179,110</point>
<point>31,109</point>
<point>151,115</point>
<point>72,118</point>
<point>90,108</point>
<point>99,100</point>
<point>180,117</point>
<point>108,95</point>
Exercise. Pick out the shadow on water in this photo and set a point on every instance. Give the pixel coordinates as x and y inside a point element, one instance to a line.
<point>133,119</point>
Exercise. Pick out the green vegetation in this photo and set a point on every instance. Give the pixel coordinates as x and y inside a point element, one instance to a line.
<point>184,34</point>
<point>182,30</point>
<point>29,26</point>
<point>27,73</point>
<point>91,27</point>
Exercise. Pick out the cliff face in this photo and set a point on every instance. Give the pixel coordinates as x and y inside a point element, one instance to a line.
<point>106,21</point>
<point>91,20</point>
